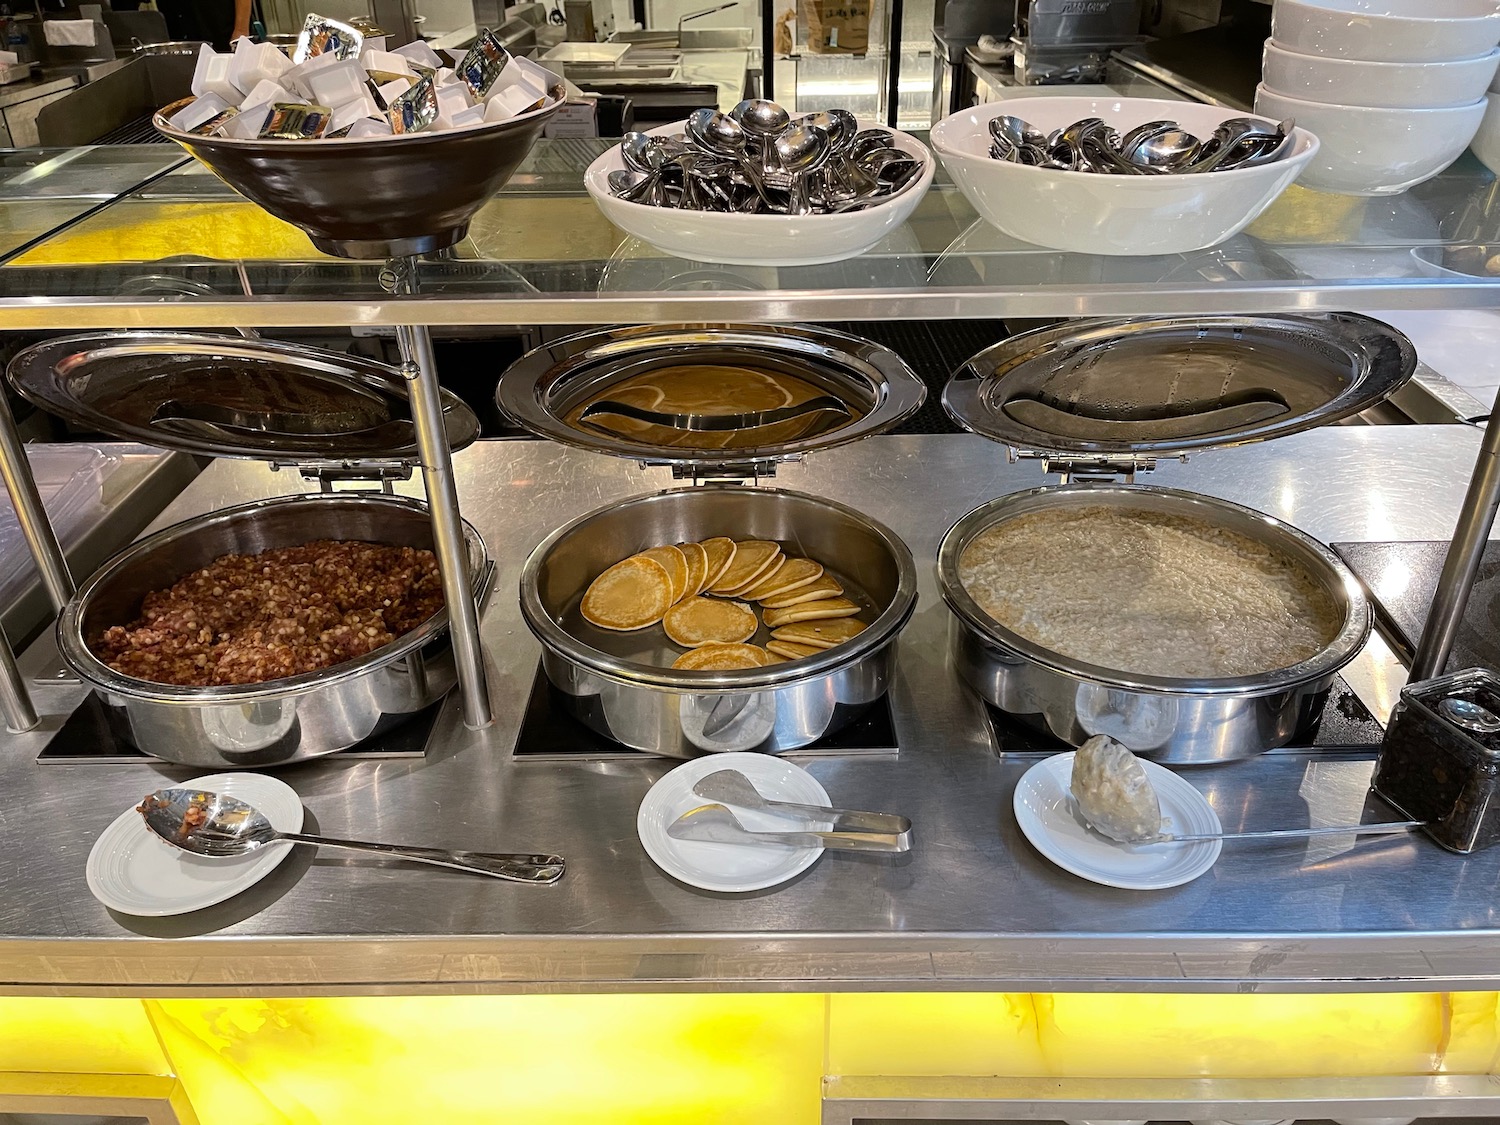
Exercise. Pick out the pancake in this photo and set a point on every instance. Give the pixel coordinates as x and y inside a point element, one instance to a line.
<point>697,564</point>
<point>824,586</point>
<point>811,611</point>
<point>790,575</point>
<point>720,551</point>
<point>630,595</point>
<point>753,559</point>
<point>706,621</point>
<point>791,650</point>
<point>820,634</point>
<point>721,658</point>
<point>674,562</point>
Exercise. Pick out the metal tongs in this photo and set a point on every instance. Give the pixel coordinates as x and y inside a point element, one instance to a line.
<point>832,829</point>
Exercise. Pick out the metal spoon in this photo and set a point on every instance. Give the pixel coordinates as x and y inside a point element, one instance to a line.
<point>1171,149</point>
<point>715,824</point>
<point>1385,829</point>
<point>801,150</point>
<point>730,787</point>
<point>763,120</point>
<point>216,824</point>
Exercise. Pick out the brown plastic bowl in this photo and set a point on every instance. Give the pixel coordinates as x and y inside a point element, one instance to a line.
<point>379,197</point>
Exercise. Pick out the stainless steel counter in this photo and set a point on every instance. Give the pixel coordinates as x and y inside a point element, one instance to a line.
<point>973,907</point>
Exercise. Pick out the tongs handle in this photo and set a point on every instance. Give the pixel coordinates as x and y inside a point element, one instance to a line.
<point>844,820</point>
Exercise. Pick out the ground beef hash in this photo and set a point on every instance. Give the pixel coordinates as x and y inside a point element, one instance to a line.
<point>246,619</point>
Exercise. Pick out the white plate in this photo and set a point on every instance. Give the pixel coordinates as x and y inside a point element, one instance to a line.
<point>134,872</point>
<point>1044,810</point>
<point>728,867</point>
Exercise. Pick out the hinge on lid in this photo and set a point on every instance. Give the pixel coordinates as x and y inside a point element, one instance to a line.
<point>748,473</point>
<point>1083,467</point>
<point>330,473</point>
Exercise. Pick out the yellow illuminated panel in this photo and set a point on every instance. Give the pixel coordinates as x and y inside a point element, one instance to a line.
<point>148,232</point>
<point>65,1035</point>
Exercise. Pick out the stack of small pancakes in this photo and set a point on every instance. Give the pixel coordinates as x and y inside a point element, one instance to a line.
<point>700,594</point>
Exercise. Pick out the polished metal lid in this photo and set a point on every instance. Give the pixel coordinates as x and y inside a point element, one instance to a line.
<point>228,396</point>
<point>709,398</point>
<point>1164,386</point>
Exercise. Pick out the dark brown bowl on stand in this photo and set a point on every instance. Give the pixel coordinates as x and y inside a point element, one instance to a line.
<point>374,197</point>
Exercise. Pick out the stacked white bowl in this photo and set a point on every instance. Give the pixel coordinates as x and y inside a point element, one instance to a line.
<point>1394,89</point>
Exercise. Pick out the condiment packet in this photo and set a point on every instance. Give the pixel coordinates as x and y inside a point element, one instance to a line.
<point>254,63</point>
<point>452,99</point>
<point>211,76</point>
<point>510,102</point>
<point>291,122</point>
<point>216,123</point>
<point>386,95</point>
<point>334,85</point>
<point>386,62</point>
<point>421,54</point>
<point>267,93</point>
<point>248,123</point>
<point>464,118</point>
<point>324,36</point>
<point>297,78</point>
<point>414,110</point>
<point>347,114</point>
<point>483,64</point>
<point>370,127</point>
<point>198,112</point>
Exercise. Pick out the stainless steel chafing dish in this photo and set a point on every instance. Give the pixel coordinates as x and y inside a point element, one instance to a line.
<point>330,415</point>
<point>622,686</point>
<point>1105,399</point>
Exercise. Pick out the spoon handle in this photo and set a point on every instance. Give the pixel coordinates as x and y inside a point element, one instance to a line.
<point>845,820</point>
<point>1327,830</point>
<point>518,868</point>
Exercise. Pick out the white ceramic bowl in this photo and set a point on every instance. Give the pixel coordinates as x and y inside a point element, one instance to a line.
<point>1387,30</point>
<point>1486,143</point>
<point>1377,84</point>
<point>1092,213</point>
<point>758,240</point>
<point>1376,151</point>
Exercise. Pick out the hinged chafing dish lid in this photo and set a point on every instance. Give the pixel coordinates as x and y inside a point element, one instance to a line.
<point>700,396</point>
<point>1170,385</point>
<point>228,396</point>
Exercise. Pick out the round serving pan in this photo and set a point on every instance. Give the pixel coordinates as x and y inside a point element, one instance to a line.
<point>647,705</point>
<point>1174,720</point>
<point>252,725</point>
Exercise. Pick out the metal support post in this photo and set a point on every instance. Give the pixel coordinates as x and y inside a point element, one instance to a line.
<point>420,370</point>
<point>30,514</point>
<point>15,702</point>
<point>1475,519</point>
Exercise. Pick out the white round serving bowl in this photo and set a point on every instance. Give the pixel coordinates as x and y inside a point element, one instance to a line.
<point>758,240</point>
<point>1486,142</point>
<point>1379,85</point>
<point>1387,30</point>
<point>1093,213</point>
<point>1376,151</point>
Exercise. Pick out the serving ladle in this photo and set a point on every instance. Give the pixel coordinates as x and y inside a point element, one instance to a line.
<point>216,824</point>
<point>802,150</point>
<point>763,120</point>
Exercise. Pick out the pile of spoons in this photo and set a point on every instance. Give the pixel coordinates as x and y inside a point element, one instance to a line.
<point>1155,148</point>
<point>759,160</point>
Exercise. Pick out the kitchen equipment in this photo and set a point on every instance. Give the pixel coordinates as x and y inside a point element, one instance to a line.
<point>718,825</point>
<point>431,184</point>
<point>760,239</point>
<point>1440,761</point>
<point>1407,85</point>
<point>229,396</point>
<point>622,684</point>
<point>1387,829</point>
<point>730,787</point>
<point>1366,151</point>
<point>215,824</point>
<point>1103,400</point>
<point>1092,214</point>
<point>1387,30</point>
<point>1155,148</point>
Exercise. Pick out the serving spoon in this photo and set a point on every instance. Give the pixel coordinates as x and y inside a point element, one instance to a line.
<point>216,824</point>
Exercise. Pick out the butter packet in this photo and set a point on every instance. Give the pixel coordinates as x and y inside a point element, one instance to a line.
<point>416,109</point>
<point>293,122</point>
<point>483,64</point>
<point>321,36</point>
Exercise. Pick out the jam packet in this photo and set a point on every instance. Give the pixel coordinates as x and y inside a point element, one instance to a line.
<point>322,36</point>
<point>416,109</point>
<point>483,64</point>
<point>294,122</point>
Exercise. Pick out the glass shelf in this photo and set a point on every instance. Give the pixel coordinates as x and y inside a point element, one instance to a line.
<point>541,253</point>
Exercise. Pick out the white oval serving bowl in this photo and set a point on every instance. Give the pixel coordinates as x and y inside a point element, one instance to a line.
<point>1387,30</point>
<point>1379,85</point>
<point>1376,151</point>
<point>1486,142</point>
<point>1093,213</point>
<point>758,240</point>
